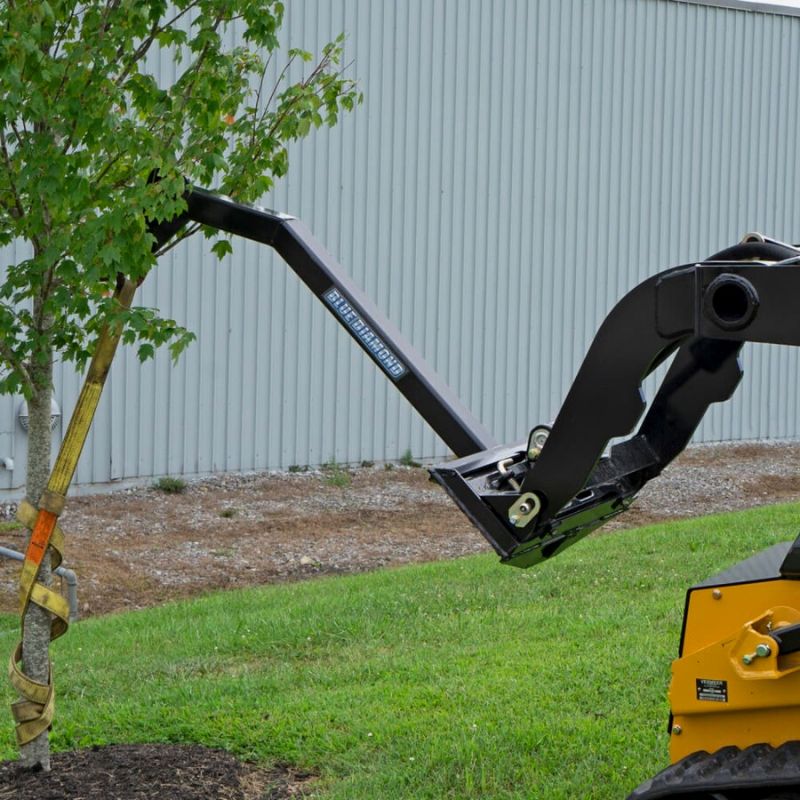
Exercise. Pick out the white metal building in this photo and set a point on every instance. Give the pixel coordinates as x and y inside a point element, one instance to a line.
<point>517,166</point>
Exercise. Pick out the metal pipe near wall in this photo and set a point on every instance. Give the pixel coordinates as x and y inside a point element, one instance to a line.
<point>67,574</point>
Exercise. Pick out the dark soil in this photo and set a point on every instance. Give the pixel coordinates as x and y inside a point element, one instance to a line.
<point>150,772</point>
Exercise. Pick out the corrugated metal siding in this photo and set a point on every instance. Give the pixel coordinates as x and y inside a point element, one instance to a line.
<point>515,168</point>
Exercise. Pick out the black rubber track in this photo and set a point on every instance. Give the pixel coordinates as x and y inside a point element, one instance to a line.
<point>759,772</point>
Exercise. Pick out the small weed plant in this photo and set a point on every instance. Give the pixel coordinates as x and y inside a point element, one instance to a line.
<point>407,459</point>
<point>336,475</point>
<point>170,485</point>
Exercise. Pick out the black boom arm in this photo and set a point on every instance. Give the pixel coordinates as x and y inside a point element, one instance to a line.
<point>532,501</point>
<point>381,340</point>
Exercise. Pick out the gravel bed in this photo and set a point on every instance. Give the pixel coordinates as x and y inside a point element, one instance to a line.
<point>137,547</point>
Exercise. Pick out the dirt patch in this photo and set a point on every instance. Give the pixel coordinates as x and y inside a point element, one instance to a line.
<point>775,486</point>
<point>136,548</point>
<point>133,549</point>
<point>143,772</point>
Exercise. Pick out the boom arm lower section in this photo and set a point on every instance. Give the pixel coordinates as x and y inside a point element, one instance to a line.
<point>533,502</point>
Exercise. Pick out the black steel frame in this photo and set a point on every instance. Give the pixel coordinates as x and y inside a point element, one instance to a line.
<point>699,313</point>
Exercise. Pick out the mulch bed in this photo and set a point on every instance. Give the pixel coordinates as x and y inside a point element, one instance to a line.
<point>148,772</point>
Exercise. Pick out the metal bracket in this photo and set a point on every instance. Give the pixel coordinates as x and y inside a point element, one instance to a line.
<point>524,510</point>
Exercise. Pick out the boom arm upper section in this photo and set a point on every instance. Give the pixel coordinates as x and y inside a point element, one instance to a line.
<point>532,502</point>
<point>381,340</point>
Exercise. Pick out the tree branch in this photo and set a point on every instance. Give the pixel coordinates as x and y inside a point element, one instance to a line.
<point>59,39</point>
<point>141,51</point>
<point>111,6</point>
<point>185,234</point>
<point>47,287</point>
<point>12,124</point>
<point>105,170</point>
<point>320,67</point>
<point>192,71</point>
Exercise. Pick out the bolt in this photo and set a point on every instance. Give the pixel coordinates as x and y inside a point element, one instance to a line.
<point>677,730</point>
<point>716,594</point>
<point>762,651</point>
<point>525,509</point>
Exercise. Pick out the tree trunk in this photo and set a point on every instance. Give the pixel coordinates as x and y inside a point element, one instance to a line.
<point>36,624</point>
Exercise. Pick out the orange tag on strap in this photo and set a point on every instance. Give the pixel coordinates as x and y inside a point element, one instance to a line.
<point>40,537</point>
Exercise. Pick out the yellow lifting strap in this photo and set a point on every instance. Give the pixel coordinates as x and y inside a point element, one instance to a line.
<point>33,713</point>
<point>27,515</point>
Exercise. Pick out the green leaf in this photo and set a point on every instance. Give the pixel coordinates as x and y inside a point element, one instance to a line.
<point>222,248</point>
<point>145,351</point>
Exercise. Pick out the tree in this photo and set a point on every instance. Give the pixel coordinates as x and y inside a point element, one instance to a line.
<point>84,128</point>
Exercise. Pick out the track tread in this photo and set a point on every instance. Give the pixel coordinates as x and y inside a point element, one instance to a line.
<point>757,768</point>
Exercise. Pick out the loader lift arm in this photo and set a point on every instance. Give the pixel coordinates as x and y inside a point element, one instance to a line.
<point>531,503</point>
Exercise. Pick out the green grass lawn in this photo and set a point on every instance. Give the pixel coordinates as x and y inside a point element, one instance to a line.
<point>461,679</point>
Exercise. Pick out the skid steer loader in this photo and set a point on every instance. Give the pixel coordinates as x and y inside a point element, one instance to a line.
<point>734,725</point>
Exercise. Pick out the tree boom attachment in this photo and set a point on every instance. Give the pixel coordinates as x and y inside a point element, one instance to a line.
<point>534,499</point>
<point>531,503</point>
